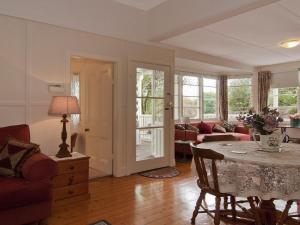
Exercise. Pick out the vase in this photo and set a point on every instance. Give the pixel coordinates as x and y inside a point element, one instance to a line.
<point>269,142</point>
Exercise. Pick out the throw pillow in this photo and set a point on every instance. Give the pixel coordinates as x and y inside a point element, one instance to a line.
<point>5,165</point>
<point>192,128</point>
<point>205,128</point>
<point>229,127</point>
<point>13,155</point>
<point>179,127</point>
<point>219,129</point>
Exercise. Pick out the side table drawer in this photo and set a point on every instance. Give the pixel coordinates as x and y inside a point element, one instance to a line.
<point>73,166</point>
<point>70,179</point>
<point>70,191</point>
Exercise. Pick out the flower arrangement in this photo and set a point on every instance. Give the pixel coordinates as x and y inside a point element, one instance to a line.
<point>264,123</point>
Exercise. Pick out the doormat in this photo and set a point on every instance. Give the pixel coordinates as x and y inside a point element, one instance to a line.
<point>166,172</point>
<point>101,222</point>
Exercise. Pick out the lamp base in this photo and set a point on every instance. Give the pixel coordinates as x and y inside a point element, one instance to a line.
<point>63,151</point>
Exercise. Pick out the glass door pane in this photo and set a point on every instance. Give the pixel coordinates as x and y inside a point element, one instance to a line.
<point>150,101</point>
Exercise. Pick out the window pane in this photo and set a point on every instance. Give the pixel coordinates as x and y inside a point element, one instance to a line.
<point>188,90</point>
<point>190,80</point>
<point>239,82</point>
<point>150,112</point>
<point>239,96</point>
<point>190,102</point>
<point>285,99</point>
<point>149,83</point>
<point>209,82</point>
<point>192,113</point>
<point>209,98</point>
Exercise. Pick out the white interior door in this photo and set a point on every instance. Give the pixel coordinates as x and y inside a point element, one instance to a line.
<point>150,117</point>
<point>96,79</point>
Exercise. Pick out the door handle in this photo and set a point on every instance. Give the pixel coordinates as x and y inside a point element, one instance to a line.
<point>87,129</point>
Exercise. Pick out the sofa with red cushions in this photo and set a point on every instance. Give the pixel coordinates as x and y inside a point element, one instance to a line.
<point>26,199</point>
<point>184,135</point>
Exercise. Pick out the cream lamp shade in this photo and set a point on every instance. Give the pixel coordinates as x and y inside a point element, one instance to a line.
<point>64,105</point>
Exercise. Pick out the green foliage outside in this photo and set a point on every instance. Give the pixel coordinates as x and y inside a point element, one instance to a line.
<point>239,93</point>
<point>147,93</point>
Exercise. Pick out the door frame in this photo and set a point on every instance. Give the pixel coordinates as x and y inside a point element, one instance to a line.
<point>117,123</point>
<point>133,165</point>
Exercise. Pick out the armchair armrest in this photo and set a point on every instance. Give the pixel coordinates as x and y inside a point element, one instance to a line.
<point>191,135</point>
<point>179,134</point>
<point>242,130</point>
<point>39,167</point>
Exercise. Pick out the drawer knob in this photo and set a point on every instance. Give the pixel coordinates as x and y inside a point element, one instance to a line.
<point>71,167</point>
<point>71,180</point>
<point>70,192</point>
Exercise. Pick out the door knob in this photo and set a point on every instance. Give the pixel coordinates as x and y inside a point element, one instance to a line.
<point>87,129</point>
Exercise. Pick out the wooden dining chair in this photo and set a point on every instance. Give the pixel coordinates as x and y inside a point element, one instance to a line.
<point>210,185</point>
<point>285,217</point>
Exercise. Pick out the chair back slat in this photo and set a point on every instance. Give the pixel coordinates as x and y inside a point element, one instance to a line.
<point>200,156</point>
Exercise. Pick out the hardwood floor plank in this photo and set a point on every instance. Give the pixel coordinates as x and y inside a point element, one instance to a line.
<point>136,200</point>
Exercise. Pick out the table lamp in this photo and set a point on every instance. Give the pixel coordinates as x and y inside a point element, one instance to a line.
<point>64,106</point>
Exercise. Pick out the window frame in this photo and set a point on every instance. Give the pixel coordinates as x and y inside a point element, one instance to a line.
<point>239,77</point>
<point>180,75</point>
<point>278,107</point>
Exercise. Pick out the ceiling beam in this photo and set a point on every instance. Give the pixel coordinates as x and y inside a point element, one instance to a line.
<point>176,17</point>
<point>214,60</point>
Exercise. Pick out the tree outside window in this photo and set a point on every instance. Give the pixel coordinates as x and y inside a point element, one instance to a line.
<point>239,96</point>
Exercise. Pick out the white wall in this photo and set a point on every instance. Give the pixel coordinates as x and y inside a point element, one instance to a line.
<point>104,17</point>
<point>34,54</point>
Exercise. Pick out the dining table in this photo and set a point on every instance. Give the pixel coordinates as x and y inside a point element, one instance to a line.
<point>248,171</point>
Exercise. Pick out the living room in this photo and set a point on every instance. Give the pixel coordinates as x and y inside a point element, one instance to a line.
<point>136,68</point>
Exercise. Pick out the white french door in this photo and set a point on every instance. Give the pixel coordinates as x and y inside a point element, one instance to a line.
<point>150,114</point>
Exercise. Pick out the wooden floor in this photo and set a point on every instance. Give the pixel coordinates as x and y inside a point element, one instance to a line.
<point>135,200</point>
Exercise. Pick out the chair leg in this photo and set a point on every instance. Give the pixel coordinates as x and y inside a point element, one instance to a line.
<point>232,202</point>
<point>217,218</point>
<point>253,207</point>
<point>285,212</point>
<point>225,202</point>
<point>197,207</point>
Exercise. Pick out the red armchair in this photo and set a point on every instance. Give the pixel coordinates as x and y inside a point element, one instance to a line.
<point>28,199</point>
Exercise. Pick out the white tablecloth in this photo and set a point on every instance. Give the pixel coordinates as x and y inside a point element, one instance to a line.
<point>257,173</point>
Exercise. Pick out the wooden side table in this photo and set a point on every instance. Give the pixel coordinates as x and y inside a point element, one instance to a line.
<point>71,182</point>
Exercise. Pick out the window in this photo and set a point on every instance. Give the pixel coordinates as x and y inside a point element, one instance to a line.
<point>239,96</point>
<point>190,97</point>
<point>191,92</point>
<point>75,91</point>
<point>209,98</point>
<point>285,99</point>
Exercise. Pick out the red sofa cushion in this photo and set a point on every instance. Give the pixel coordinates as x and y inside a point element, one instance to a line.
<point>20,132</point>
<point>16,192</point>
<point>205,128</point>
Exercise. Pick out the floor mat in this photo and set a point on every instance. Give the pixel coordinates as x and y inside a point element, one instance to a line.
<point>166,172</point>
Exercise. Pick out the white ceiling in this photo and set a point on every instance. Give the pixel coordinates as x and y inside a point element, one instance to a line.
<point>252,38</point>
<point>142,4</point>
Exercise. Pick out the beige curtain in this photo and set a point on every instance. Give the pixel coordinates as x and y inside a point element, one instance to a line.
<point>223,97</point>
<point>264,82</point>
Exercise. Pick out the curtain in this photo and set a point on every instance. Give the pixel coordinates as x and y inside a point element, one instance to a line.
<point>264,82</point>
<point>223,97</point>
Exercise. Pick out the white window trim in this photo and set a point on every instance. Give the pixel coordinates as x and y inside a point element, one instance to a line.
<point>200,76</point>
<point>251,85</point>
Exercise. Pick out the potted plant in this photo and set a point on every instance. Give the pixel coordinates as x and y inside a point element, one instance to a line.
<point>265,124</point>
